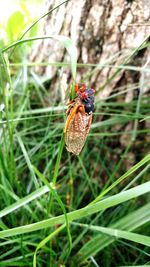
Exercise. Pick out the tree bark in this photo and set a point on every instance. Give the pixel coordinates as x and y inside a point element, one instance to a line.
<point>104,32</point>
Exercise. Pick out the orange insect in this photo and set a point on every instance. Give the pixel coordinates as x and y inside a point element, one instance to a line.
<point>79,119</point>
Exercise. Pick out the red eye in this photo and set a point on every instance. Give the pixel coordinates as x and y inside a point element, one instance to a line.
<point>84,95</point>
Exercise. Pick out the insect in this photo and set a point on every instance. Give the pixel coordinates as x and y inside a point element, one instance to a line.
<point>79,119</point>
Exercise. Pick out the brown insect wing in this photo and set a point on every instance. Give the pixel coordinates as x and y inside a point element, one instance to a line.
<point>76,132</point>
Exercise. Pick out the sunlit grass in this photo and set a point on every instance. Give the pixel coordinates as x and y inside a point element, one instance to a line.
<point>56,207</point>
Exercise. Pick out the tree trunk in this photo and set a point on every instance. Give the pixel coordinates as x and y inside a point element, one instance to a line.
<point>104,32</point>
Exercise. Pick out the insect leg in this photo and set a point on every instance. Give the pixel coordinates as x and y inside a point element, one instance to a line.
<point>82,88</point>
<point>70,102</point>
<point>76,88</point>
<point>89,124</point>
<point>79,89</point>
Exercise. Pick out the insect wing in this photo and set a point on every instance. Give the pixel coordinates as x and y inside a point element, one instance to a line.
<point>76,131</point>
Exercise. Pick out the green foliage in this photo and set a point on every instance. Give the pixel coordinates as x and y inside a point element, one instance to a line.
<point>15,25</point>
<point>58,209</point>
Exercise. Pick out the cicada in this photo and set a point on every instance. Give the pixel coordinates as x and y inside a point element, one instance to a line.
<point>79,119</point>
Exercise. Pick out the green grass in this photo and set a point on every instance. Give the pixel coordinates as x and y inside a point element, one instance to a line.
<point>56,208</point>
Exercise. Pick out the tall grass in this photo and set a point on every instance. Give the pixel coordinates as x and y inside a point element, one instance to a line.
<point>60,209</point>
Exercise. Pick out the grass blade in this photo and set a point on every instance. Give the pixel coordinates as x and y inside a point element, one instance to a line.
<point>45,240</point>
<point>22,202</point>
<point>66,41</point>
<point>83,212</point>
<point>141,239</point>
<point>129,222</point>
<point>129,172</point>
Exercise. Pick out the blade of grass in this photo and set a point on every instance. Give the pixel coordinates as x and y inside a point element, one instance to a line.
<point>83,212</point>
<point>6,88</point>
<point>54,193</point>
<point>129,172</point>
<point>141,91</point>
<point>66,41</point>
<point>43,16</point>
<point>57,165</point>
<point>86,176</point>
<point>141,239</point>
<point>45,240</point>
<point>79,65</point>
<point>24,151</point>
<point>22,202</point>
<point>129,222</point>
<point>36,22</point>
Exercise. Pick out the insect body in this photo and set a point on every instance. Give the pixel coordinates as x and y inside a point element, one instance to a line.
<point>79,119</point>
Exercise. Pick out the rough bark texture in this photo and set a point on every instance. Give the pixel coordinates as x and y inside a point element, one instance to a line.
<point>103,31</point>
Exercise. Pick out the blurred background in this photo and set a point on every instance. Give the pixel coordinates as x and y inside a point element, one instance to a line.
<point>16,15</point>
<point>113,57</point>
